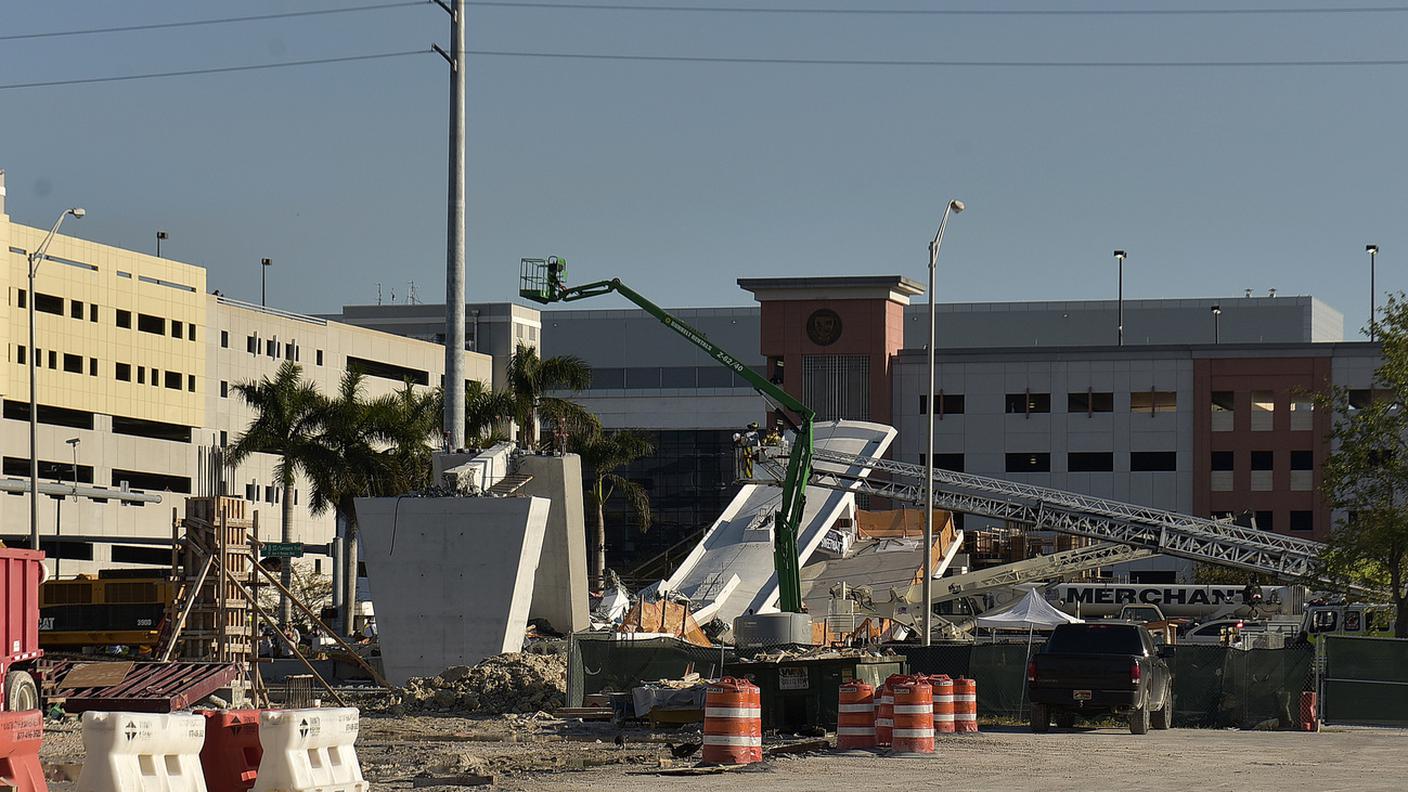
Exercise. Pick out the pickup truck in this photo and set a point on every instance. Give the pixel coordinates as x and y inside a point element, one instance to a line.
<point>1100,668</point>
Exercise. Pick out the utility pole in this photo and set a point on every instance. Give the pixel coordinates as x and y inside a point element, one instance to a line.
<point>455,255</point>
<point>1373,251</point>
<point>1119,257</point>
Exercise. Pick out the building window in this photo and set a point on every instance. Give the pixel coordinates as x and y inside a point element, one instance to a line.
<point>1302,460</point>
<point>1264,521</point>
<point>75,309</point>
<point>320,357</point>
<point>1028,463</point>
<point>1262,460</point>
<point>147,323</point>
<point>224,438</point>
<point>272,347</point>
<point>123,371</point>
<point>224,389</point>
<point>1360,399</point>
<point>177,328</point>
<point>1222,461</point>
<point>1090,461</point>
<point>291,352</point>
<point>191,383</point>
<point>73,364</point>
<point>952,462</point>
<point>1302,521</point>
<point>251,345</point>
<point>1090,402</point>
<point>1263,410</point>
<point>21,299</point>
<point>92,367</point>
<point>1223,411</point>
<point>950,404</point>
<point>1028,403</point>
<point>141,375</point>
<point>224,339</point>
<point>1302,415</point>
<point>1153,401</point>
<point>190,331</point>
<point>173,380</point>
<point>269,496</point>
<point>923,406</point>
<point>20,355</point>
<point>93,312</point>
<point>48,303</point>
<point>54,359</point>
<point>1153,461</point>
<point>124,318</point>
<point>251,492</point>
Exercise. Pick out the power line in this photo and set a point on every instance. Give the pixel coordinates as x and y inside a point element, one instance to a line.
<point>1015,64</point>
<point>215,70</point>
<point>946,11</point>
<point>199,22</point>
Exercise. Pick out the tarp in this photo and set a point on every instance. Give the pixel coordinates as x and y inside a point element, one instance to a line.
<point>1029,613</point>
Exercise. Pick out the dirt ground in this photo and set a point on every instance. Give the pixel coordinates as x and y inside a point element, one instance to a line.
<point>531,754</point>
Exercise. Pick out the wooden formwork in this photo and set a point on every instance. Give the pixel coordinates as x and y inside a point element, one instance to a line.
<point>217,623</point>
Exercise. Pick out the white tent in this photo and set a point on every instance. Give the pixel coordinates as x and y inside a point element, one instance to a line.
<point>1029,613</point>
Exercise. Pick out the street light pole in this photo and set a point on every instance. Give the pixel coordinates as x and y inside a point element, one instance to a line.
<point>954,207</point>
<point>1119,257</point>
<point>264,265</point>
<point>34,259</point>
<point>453,425</point>
<point>58,529</point>
<point>1216,331</point>
<point>1373,251</point>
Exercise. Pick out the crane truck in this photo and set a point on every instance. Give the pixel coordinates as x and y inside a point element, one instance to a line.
<point>544,281</point>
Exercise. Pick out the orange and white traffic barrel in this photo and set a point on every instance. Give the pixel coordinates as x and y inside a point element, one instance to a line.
<point>914,717</point>
<point>855,716</point>
<point>733,723</point>
<point>943,703</point>
<point>965,705</point>
<point>884,714</point>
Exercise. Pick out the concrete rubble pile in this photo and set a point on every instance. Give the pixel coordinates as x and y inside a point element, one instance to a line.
<point>508,683</point>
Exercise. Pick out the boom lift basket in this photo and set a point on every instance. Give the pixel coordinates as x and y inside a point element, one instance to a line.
<point>540,280</point>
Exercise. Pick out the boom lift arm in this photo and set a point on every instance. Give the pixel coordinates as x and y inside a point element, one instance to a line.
<point>542,280</point>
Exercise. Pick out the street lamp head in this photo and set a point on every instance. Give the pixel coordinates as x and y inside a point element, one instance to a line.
<point>1371,249</point>
<point>266,262</point>
<point>1216,309</point>
<point>73,441</point>
<point>1120,254</point>
<point>77,212</point>
<point>162,235</point>
<point>957,206</point>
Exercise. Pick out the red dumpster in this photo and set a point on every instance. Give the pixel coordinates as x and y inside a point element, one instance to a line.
<point>231,754</point>
<point>20,735</point>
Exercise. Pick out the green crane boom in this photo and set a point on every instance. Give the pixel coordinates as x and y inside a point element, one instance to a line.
<point>542,281</point>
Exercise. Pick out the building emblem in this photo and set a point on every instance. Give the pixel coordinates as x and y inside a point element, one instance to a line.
<point>824,327</point>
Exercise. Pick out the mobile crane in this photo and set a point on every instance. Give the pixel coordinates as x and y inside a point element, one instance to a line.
<point>543,281</point>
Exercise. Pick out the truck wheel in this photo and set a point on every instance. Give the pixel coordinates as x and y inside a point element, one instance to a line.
<point>1163,719</point>
<point>1041,718</point>
<point>20,692</point>
<point>1065,719</point>
<point>1139,719</point>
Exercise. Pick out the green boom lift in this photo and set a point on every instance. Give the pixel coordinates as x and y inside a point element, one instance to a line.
<point>542,280</point>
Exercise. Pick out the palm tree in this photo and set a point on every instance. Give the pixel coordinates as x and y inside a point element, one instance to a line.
<point>485,410</point>
<point>530,378</point>
<point>602,455</point>
<point>288,416</point>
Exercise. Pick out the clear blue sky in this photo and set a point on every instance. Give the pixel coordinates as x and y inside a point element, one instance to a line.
<point>682,177</point>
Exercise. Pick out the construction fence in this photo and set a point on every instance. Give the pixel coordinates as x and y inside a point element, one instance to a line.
<point>1364,680</point>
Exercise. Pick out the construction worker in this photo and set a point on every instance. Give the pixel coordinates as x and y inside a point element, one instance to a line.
<point>748,444</point>
<point>774,435</point>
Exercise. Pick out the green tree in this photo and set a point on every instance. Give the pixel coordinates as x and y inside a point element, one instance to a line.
<point>530,380</point>
<point>603,454</point>
<point>1365,476</point>
<point>287,418</point>
<point>485,412</point>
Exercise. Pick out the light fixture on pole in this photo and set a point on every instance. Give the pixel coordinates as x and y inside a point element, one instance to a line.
<point>160,236</point>
<point>1216,330</point>
<point>1373,251</point>
<point>58,530</point>
<point>1119,257</point>
<point>34,260</point>
<point>264,265</point>
<point>954,207</point>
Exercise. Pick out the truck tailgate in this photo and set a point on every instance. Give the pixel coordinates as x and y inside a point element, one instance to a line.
<point>1084,671</point>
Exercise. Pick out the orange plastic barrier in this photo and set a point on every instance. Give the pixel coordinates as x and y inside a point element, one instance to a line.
<point>914,717</point>
<point>20,735</point>
<point>943,703</point>
<point>965,705</point>
<point>733,723</point>
<point>855,716</point>
<point>231,754</point>
<point>885,709</point>
<point>1309,719</point>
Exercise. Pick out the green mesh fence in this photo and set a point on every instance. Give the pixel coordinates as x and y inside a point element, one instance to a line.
<point>1366,680</point>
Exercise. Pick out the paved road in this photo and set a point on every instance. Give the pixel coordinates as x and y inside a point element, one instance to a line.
<point>1203,760</point>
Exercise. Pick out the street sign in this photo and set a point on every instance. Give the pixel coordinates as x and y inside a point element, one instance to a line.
<point>282,549</point>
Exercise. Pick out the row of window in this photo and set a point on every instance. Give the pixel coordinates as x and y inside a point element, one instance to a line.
<point>1087,402</point>
<point>1263,460</point>
<point>77,309</point>
<point>275,349</point>
<point>1300,521</point>
<point>74,364</point>
<point>1076,462</point>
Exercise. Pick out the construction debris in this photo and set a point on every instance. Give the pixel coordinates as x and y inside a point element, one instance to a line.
<point>517,682</point>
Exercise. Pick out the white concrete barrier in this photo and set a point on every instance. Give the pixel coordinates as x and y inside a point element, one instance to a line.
<point>137,752</point>
<point>309,750</point>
